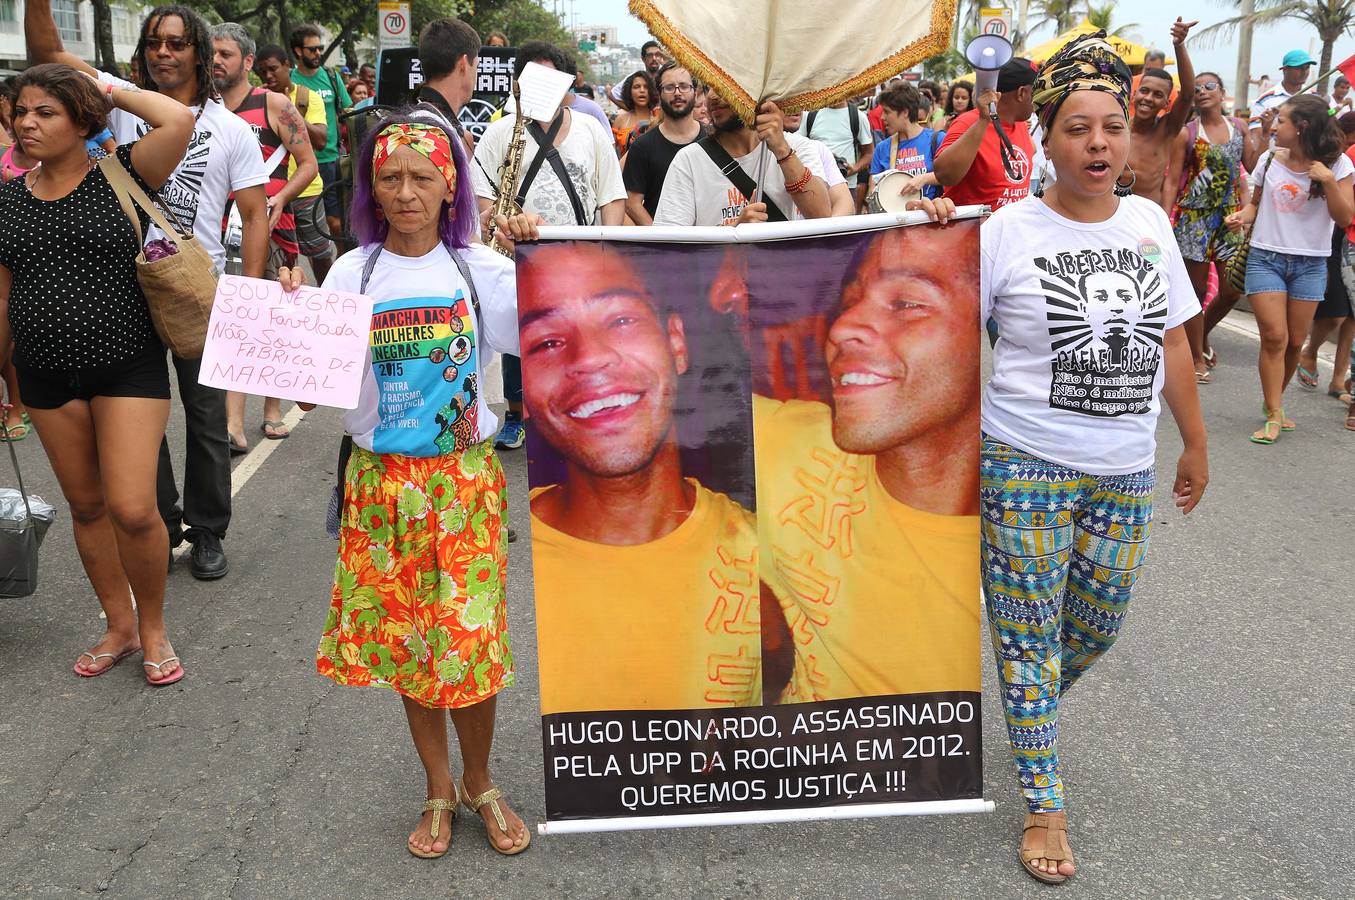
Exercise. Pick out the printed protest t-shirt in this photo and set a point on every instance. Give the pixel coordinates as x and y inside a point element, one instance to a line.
<point>1289,219</point>
<point>914,156</point>
<point>696,192</point>
<point>589,161</point>
<point>1082,311</point>
<point>223,157</point>
<point>987,180</point>
<point>420,389</point>
<point>676,625</point>
<point>880,598</point>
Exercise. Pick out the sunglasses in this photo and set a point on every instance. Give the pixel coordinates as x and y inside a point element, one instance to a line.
<point>173,44</point>
<point>1207,85</point>
<point>315,49</point>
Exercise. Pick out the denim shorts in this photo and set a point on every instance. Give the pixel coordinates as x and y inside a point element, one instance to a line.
<point>1301,277</point>
<point>329,174</point>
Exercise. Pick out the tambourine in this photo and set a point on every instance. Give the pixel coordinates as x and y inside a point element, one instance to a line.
<point>893,190</point>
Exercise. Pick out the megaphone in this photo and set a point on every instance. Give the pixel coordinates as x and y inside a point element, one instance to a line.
<point>988,53</point>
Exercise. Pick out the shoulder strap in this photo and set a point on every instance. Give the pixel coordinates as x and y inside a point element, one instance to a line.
<point>893,149</point>
<point>529,177</point>
<point>936,139</point>
<point>470,282</point>
<point>854,119</point>
<point>367,268</point>
<point>334,84</point>
<point>737,176</point>
<point>809,123</point>
<point>129,192</point>
<point>545,145</point>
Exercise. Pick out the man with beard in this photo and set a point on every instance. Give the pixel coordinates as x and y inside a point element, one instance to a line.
<point>867,506</point>
<point>1153,134</point>
<point>647,581</point>
<point>282,135</point>
<point>652,153</point>
<point>223,158</point>
<point>651,53</point>
<point>711,182</point>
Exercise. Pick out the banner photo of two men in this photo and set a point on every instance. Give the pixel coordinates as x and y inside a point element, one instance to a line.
<point>754,506</point>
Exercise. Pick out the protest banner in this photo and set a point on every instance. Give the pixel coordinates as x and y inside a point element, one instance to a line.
<point>309,346</point>
<point>748,608</point>
<point>399,75</point>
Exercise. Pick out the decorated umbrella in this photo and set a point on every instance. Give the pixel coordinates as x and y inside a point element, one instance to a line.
<point>1129,51</point>
<point>804,54</point>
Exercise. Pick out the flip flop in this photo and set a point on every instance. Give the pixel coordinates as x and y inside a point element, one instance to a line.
<point>491,798</point>
<point>1203,377</point>
<point>437,807</point>
<point>177,676</point>
<point>14,433</point>
<point>1269,433</point>
<point>1286,424</point>
<point>275,424</point>
<point>95,657</point>
<point>1211,359</point>
<point>239,446</point>
<point>1307,380</point>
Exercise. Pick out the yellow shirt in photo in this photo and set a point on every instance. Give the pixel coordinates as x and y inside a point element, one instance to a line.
<point>314,115</point>
<point>672,624</point>
<point>880,598</point>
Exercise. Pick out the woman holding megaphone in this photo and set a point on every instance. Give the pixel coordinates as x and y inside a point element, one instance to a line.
<point>1090,296</point>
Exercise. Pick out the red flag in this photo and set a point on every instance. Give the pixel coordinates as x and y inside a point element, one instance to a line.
<point>1348,69</point>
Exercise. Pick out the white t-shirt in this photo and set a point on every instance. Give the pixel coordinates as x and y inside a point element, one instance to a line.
<point>223,156</point>
<point>421,384</point>
<point>696,192</point>
<point>1288,220</point>
<point>834,128</point>
<point>589,157</point>
<point>1267,101</point>
<point>832,177</point>
<point>1082,311</point>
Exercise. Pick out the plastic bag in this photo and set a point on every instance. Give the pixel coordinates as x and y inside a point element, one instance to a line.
<point>20,538</point>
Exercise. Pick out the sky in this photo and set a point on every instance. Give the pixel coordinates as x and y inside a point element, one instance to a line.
<point>1153,17</point>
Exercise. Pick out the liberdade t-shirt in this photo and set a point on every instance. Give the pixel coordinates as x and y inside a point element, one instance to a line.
<point>647,165</point>
<point>696,192</point>
<point>223,157</point>
<point>420,389</point>
<point>1289,219</point>
<point>987,181</point>
<point>1082,311</point>
<point>324,84</point>
<point>590,162</point>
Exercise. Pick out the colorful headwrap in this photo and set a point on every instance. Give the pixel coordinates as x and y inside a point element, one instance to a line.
<point>430,140</point>
<point>1086,63</point>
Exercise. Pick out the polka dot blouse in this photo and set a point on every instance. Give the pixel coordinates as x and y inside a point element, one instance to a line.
<point>75,302</point>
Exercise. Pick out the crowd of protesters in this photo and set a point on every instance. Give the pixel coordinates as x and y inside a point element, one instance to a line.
<point>243,145</point>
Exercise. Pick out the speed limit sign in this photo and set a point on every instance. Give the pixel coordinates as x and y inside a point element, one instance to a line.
<point>996,21</point>
<point>393,24</point>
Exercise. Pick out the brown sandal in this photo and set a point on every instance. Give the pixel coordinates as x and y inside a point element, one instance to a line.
<point>1052,845</point>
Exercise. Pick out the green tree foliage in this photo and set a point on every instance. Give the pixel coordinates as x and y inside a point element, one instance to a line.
<point>1331,19</point>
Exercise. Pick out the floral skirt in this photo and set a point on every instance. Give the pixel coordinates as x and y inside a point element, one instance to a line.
<point>418,601</point>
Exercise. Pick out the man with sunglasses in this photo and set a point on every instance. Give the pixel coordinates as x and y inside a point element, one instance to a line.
<point>174,53</point>
<point>652,153</point>
<point>308,46</point>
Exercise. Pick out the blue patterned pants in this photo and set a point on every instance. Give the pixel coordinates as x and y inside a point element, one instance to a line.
<point>1061,552</point>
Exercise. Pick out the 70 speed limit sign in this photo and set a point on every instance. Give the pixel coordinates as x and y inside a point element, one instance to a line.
<point>393,24</point>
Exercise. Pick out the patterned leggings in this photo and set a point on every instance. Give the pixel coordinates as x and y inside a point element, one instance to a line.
<point>1061,552</point>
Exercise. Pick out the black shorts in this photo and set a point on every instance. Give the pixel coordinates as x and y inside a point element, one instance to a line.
<point>145,375</point>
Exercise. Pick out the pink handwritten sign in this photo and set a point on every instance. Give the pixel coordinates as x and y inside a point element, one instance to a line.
<point>309,346</point>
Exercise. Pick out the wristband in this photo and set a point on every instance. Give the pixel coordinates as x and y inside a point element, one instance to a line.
<point>108,90</point>
<point>800,183</point>
<point>789,154</point>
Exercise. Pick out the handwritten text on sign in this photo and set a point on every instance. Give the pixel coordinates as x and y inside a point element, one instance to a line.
<point>309,346</point>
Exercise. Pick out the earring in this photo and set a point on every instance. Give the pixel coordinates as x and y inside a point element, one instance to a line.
<point>1124,190</point>
<point>1039,185</point>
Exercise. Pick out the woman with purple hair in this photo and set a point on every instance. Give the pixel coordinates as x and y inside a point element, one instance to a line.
<point>418,598</point>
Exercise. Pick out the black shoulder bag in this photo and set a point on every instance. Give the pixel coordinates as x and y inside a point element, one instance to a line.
<point>737,176</point>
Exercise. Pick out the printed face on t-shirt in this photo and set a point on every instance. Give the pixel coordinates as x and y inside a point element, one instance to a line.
<point>902,351</point>
<point>600,364</point>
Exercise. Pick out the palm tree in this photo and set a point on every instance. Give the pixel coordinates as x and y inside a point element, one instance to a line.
<point>1100,16</point>
<point>1062,14</point>
<point>1330,18</point>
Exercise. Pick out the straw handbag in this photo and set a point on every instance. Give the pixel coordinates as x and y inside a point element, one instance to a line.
<point>180,287</point>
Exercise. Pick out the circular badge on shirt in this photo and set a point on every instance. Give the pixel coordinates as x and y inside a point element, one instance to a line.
<point>460,349</point>
<point>1150,250</point>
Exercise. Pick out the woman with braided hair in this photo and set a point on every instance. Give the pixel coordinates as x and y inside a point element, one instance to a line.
<point>1090,295</point>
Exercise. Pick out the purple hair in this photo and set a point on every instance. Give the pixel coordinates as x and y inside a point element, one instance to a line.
<point>456,230</point>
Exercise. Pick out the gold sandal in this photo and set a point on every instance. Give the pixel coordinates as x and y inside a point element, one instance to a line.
<point>1053,847</point>
<point>492,798</point>
<point>437,807</point>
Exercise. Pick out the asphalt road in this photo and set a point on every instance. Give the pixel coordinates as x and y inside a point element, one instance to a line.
<point>1209,755</point>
